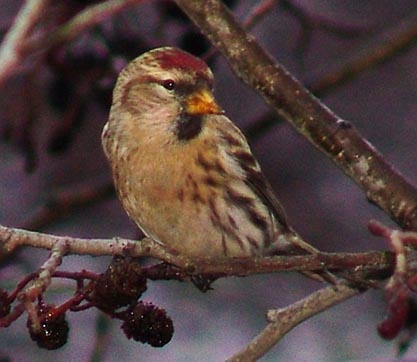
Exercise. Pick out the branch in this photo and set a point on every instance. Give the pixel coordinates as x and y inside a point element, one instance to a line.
<point>284,320</point>
<point>377,262</point>
<point>13,238</point>
<point>337,138</point>
<point>41,283</point>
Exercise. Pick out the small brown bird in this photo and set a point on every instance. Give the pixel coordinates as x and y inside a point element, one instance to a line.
<point>183,171</point>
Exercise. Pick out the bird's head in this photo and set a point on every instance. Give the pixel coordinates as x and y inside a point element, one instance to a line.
<point>167,87</point>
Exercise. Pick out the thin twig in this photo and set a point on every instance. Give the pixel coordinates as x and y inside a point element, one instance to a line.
<point>88,18</point>
<point>257,12</point>
<point>10,50</point>
<point>45,273</point>
<point>63,202</point>
<point>17,45</point>
<point>41,283</point>
<point>284,320</point>
<point>390,44</point>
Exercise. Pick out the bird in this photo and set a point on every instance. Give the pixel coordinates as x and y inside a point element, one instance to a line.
<point>183,171</point>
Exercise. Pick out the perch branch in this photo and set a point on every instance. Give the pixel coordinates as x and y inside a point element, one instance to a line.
<point>337,138</point>
<point>354,262</point>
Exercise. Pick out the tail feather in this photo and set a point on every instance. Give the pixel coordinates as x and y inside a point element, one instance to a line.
<point>300,247</point>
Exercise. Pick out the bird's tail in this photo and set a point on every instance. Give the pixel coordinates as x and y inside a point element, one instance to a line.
<point>301,247</point>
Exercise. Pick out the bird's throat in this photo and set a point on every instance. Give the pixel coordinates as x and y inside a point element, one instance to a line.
<point>188,127</point>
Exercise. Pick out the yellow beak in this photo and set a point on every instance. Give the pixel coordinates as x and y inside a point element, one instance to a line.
<point>201,102</point>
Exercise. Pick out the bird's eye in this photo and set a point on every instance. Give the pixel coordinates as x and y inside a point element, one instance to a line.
<point>169,84</point>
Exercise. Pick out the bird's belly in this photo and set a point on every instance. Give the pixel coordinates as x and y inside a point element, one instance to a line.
<point>186,207</point>
<point>179,214</point>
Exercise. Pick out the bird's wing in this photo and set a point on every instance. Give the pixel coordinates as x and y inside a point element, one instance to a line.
<point>262,188</point>
<point>256,180</point>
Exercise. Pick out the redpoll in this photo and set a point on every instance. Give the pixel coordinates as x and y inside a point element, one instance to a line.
<point>183,171</point>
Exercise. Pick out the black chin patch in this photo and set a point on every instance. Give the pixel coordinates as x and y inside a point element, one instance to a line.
<point>189,127</point>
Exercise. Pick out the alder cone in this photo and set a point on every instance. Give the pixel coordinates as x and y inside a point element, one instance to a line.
<point>122,284</point>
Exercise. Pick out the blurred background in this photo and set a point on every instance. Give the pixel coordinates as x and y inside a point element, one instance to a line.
<point>54,177</point>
